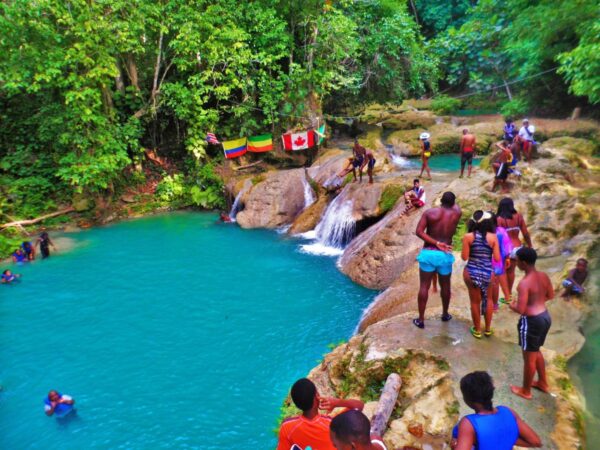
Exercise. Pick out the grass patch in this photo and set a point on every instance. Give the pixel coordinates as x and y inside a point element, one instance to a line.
<point>258,179</point>
<point>565,384</point>
<point>389,197</point>
<point>453,409</point>
<point>561,363</point>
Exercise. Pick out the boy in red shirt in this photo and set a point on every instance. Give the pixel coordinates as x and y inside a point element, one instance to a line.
<point>311,429</point>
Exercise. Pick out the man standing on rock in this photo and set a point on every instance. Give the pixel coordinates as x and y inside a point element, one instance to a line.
<point>535,289</point>
<point>436,228</point>
<point>467,152</point>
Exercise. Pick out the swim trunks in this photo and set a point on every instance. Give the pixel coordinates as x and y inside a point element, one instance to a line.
<point>435,261</point>
<point>533,331</point>
<point>467,156</point>
<point>357,161</point>
<point>427,154</point>
<point>502,173</point>
<point>371,163</point>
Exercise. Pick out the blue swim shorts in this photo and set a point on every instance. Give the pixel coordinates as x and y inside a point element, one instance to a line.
<point>435,261</point>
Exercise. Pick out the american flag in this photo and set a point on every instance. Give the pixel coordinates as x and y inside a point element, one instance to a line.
<point>212,139</point>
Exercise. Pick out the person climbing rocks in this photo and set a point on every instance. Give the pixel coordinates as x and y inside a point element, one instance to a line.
<point>534,290</point>
<point>351,430</point>
<point>479,248</point>
<point>369,161</point>
<point>514,223</point>
<point>436,228</point>
<point>414,198</point>
<point>574,283</point>
<point>510,130</point>
<point>467,151</point>
<point>356,161</point>
<point>45,242</point>
<point>501,167</point>
<point>490,428</point>
<point>8,277</point>
<point>425,154</point>
<point>526,137</point>
<point>311,428</point>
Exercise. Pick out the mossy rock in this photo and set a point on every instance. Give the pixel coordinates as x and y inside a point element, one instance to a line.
<point>409,120</point>
<point>389,197</point>
<point>422,104</point>
<point>581,147</point>
<point>82,203</point>
<point>372,138</point>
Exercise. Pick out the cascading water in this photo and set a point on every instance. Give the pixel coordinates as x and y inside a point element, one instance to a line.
<point>399,161</point>
<point>335,230</point>
<point>237,203</point>
<point>309,194</point>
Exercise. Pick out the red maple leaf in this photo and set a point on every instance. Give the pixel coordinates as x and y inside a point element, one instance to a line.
<point>299,141</point>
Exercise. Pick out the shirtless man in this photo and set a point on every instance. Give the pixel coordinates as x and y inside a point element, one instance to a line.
<point>436,228</point>
<point>535,289</point>
<point>467,151</point>
<point>356,161</point>
<point>501,167</point>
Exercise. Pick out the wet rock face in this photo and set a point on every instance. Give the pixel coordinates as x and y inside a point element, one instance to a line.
<point>274,201</point>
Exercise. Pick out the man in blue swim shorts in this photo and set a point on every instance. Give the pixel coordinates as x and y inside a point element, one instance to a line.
<point>436,228</point>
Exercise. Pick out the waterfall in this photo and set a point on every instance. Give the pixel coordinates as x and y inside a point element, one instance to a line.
<point>236,207</point>
<point>309,194</point>
<point>335,230</point>
<point>397,160</point>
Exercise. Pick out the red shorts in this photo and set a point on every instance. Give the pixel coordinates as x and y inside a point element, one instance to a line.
<point>527,146</point>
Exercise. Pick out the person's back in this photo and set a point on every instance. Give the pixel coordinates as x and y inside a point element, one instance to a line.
<point>442,223</point>
<point>305,432</point>
<point>497,431</point>
<point>468,141</point>
<point>537,286</point>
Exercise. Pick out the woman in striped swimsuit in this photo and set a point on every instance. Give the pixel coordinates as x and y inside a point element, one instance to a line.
<point>478,247</point>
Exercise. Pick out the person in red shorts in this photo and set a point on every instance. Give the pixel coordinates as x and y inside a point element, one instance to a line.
<point>526,138</point>
<point>311,429</point>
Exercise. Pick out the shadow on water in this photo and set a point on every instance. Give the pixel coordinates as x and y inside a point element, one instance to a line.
<point>64,422</point>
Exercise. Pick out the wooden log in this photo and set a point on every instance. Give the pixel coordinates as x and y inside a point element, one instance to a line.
<point>20,223</point>
<point>247,166</point>
<point>386,405</point>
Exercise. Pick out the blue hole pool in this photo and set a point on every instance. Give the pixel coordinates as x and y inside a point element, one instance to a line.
<point>169,332</point>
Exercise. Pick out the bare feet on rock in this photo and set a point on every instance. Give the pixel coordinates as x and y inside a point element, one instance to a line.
<point>520,392</point>
<point>541,387</point>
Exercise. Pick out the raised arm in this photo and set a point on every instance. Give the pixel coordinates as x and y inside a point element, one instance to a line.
<point>330,403</point>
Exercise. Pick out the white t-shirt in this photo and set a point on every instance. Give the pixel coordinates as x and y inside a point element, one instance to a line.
<point>525,135</point>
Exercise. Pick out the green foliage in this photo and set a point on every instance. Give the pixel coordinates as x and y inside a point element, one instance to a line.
<point>171,188</point>
<point>444,105</point>
<point>10,240</point>
<point>288,409</point>
<point>517,107</point>
<point>204,190</point>
<point>389,197</point>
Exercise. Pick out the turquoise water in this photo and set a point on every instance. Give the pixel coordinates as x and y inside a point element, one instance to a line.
<point>169,332</point>
<point>444,163</point>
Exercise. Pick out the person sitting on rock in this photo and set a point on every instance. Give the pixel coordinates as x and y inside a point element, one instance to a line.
<point>574,283</point>
<point>490,428</point>
<point>414,198</point>
<point>526,136</point>
<point>351,430</point>
<point>311,429</point>
<point>510,130</point>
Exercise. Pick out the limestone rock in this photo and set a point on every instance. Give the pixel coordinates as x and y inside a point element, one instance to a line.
<point>82,203</point>
<point>273,202</point>
<point>128,198</point>
<point>410,120</point>
<point>310,217</point>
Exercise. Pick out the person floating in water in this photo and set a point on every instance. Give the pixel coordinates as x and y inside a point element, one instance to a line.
<point>425,154</point>
<point>574,283</point>
<point>526,137</point>
<point>57,403</point>
<point>351,430</point>
<point>311,428</point>
<point>534,290</point>
<point>369,161</point>
<point>224,217</point>
<point>19,256</point>
<point>467,152</point>
<point>8,277</point>
<point>490,428</point>
<point>414,198</point>
<point>436,228</point>
<point>29,250</point>
<point>45,242</point>
<point>356,161</point>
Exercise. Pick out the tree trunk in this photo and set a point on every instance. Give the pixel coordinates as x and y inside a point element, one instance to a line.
<point>132,72</point>
<point>413,7</point>
<point>510,97</point>
<point>20,223</point>
<point>386,405</point>
<point>120,85</point>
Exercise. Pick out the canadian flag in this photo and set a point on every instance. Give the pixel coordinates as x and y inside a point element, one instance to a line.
<point>298,141</point>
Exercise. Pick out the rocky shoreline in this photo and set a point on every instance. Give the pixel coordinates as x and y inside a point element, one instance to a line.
<point>558,195</point>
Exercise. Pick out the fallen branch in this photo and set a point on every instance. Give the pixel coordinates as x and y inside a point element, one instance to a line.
<point>247,166</point>
<point>21,223</point>
<point>386,404</point>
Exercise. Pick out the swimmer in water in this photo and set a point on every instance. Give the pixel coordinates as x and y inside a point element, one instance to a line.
<point>19,256</point>
<point>8,277</point>
<point>45,242</point>
<point>29,250</point>
<point>54,399</point>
